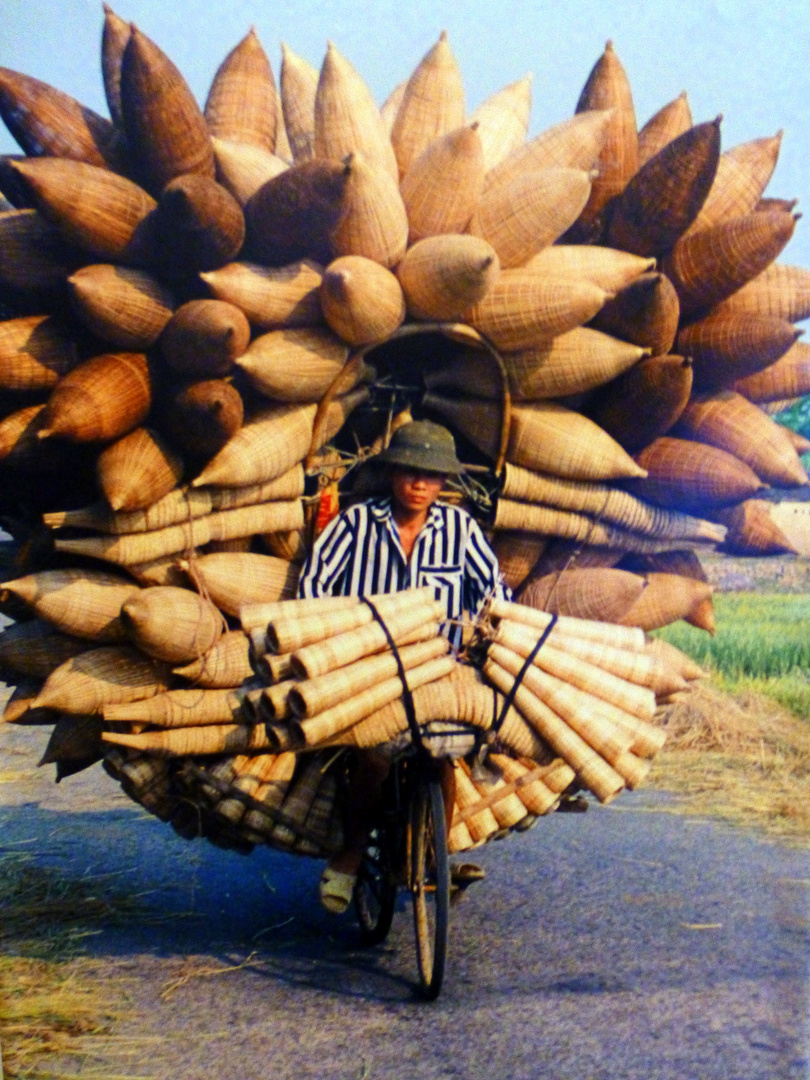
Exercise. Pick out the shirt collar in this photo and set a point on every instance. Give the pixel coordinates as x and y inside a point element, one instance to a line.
<point>382,510</point>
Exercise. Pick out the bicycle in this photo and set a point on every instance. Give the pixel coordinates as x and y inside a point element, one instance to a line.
<point>408,848</point>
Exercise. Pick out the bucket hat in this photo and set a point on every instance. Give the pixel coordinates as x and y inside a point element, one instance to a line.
<point>423,445</point>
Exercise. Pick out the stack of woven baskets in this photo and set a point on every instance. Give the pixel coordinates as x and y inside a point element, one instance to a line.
<point>197,308</point>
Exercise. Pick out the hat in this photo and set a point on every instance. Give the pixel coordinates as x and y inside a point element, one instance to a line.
<point>423,445</point>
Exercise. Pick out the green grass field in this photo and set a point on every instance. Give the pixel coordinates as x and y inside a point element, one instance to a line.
<point>762,644</point>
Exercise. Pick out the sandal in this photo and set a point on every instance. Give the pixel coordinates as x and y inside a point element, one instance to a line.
<point>337,889</point>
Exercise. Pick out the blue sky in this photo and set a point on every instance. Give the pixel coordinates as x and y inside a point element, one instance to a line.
<point>749,61</point>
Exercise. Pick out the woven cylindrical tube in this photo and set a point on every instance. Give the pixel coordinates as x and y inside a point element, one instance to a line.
<point>323,656</point>
<point>620,637</point>
<point>505,805</point>
<point>316,695</point>
<point>255,772</point>
<point>482,825</point>
<point>185,742</point>
<point>533,793</point>
<point>257,825</point>
<point>592,770</point>
<point>253,616</point>
<point>320,728</point>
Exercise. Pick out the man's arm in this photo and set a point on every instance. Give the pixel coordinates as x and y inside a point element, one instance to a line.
<point>325,571</point>
<point>482,576</point>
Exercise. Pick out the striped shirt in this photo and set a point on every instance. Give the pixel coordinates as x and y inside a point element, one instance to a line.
<point>359,553</point>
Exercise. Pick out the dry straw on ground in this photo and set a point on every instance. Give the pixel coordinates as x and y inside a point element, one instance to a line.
<point>741,757</point>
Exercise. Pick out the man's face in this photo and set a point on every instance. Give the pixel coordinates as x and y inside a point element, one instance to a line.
<point>415,489</point>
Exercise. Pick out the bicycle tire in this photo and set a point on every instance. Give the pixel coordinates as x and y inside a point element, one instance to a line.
<point>375,890</point>
<point>430,885</point>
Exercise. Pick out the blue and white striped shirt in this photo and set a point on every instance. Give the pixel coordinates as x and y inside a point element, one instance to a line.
<point>359,553</point>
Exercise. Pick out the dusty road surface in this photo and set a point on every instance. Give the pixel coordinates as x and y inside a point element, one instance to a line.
<point>628,943</point>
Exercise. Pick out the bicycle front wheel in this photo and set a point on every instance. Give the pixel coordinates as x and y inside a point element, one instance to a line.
<point>430,884</point>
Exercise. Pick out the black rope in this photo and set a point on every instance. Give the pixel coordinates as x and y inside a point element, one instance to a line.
<point>407,696</point>
<point>509,700</point>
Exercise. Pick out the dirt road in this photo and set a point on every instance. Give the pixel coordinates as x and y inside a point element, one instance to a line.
<point>625,943</point>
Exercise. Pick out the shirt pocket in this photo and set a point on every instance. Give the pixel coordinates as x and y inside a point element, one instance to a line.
<point>446,582</point>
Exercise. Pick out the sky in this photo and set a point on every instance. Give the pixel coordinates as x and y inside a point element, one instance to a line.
<point>747,60</point>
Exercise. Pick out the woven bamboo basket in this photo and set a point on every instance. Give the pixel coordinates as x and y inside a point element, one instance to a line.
<point>442,187</point>
<point>199,224</point>
<point>373,222</point>
<point>607,88</point>
<point>787,377</point>
<point>126,308</point>
<point>178,709</point>
<point>134,548</point>
<point>97,210</point>
<point>258,822</point>
<point>482,825</point>
<point>743,173</point>
<point>102,398</point>
<point>294,365</point>
<point>780,290</point>
<point>666,598</point>
<point>665,196</point>
<point>204,337</point>
<point>226,664</point>
<point>601,593</point>
<point>646,312</point>
<point>346,118</point>
<point>645,402</point>
<point>270,297</point>
<point>298,87</point>
<point>35,648</point>
<point>111,673</point>
<point>523,308</point>
<point>291,630</point>
<point>591,770</point>
<point>164,126</point>
<point>732,423</point>
<point>201,418</point>
<point>137,470</point>
<point>708,266</point>
<point>20,445</point>
<point>171,624</point>
<point>672,120</point>
<point>114,38</point>
<point>578,360</point>
<point>47,122</point>
<point>606,267</point>
<point>242,169</point>
<point>443,276</point>
<point>241,104</point>
<point>253,774</point>
<point>752,530</point>
<point>606,503</point>
<point>606,633</point>
<point>361,300</point>
<point>726,346</point>
<point>503,120</point>
<point>231,580</point>
<point>84,603</point>
<point>692,475</point>
<point>575,143</point>
<point>531,211</point>
<point>292,216</point>
<point>33,255</point>
<point>517,554</point>
<point>35,351</point>
<point>432,104</point>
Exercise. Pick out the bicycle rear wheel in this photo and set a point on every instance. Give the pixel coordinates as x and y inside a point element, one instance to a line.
<point>430,884</point>
<point>375,891</point>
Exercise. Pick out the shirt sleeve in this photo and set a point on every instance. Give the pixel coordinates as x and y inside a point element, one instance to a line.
<point>482,576</point>
<point>325,571</point>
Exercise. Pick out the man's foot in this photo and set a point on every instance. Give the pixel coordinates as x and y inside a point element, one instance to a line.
<point>336,890</point>
<point>462,875</point>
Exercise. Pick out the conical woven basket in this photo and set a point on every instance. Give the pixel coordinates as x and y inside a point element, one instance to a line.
<point>743,173</point>
<point>299,85</point>
<point>672,120</point>
<point>432,104</point>
<point>726,346</point>
<point>137,470</point>
<point>294,365</point>
<point>503,120</point>
<point>172,624</point>
<point>204,337</point>
<point>270,297</point>
<point>164,125</point>
<point>373,222</point>
<point>85,603</point>
<point>242,169</point>
<point>241,103</point>
<point>444,184</point>
<point>102,398</point>
<point>443,276</point>
<point>111,673</point>
<point>35,351</point>
<point>225,665</point>
<point>125,307</point>
<point>346,117</point>
<point>646,311</point>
